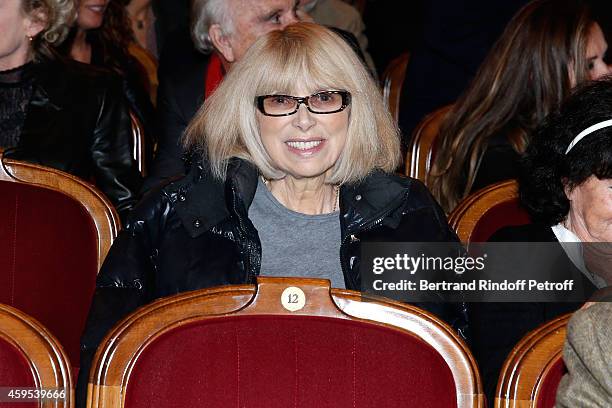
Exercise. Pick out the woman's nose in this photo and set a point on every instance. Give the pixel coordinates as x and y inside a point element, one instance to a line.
<point>303,118</point>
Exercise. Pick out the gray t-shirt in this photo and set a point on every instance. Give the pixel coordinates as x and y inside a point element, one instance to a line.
<point>295,244</point>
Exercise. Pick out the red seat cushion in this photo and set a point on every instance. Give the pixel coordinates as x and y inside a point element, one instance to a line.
<point>509,213</point>
<point>289,361</point>
<point>550,383</point>
<point>48,259</point>
<point>14,372</point>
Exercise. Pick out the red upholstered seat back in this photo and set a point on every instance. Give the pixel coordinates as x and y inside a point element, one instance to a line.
<point>14,372</point>
<point>508,213</point>
<point>48,259</point>
<point>289,361</point>
<point>548,388</point>
<point>478,216</point>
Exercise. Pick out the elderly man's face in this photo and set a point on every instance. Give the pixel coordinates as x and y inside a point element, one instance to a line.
<point>252,19</point>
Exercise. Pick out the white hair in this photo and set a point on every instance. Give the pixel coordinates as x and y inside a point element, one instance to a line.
<point>205,13</point>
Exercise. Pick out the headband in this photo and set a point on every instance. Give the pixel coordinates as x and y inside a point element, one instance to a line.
<point>588,131</point>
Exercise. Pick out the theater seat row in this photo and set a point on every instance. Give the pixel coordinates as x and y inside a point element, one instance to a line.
<point>251,346</point>
<point>59,229</point>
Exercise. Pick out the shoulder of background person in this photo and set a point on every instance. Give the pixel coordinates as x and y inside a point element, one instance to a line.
<point>524,233</point>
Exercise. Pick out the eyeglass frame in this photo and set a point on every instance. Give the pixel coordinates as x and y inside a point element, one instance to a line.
<point>346,101</point>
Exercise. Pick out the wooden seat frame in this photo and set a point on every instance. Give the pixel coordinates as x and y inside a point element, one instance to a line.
<point>139,142</point>
<point>420,151</point>
<point>464,218</point>
<point>95,203</point>
<point>393,81</point>
<point>48,361</point>
<point>521,378</point>
<point>119,350</point>
<point>149,65</point>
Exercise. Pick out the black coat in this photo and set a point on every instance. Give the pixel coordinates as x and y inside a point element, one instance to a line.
<point>500,162</point>
<point>131,73</point>
<point>195,233</point>
<point>77,122</point>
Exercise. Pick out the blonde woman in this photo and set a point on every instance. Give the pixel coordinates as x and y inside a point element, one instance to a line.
<point>298,158</point>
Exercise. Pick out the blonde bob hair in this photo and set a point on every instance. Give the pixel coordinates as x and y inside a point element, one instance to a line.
<point>57,16</point>
<point>307,55</point>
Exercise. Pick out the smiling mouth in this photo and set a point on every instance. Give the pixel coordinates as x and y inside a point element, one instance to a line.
<point>96,9</point>
<point>304,145</point>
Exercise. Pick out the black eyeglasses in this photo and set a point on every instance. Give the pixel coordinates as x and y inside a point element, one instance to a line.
<point>324,102</point>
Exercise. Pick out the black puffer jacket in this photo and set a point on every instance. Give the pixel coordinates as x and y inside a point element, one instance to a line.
<point>195,234</point>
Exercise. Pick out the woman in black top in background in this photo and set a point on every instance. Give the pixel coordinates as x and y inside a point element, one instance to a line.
<point>61,114</point>
<point>100,36</point>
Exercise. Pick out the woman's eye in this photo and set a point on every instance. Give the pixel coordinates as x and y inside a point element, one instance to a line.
<point>324,97</point>
<point>279,100</point>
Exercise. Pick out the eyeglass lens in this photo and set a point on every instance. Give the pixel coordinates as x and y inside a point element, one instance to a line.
<point>320,102</point>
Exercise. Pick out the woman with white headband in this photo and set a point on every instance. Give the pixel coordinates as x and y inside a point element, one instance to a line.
<point>566,185</point>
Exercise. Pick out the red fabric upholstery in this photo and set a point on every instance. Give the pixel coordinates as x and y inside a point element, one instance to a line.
<point>14,372</point>
<point>289,361</point>
<point>48,259</point>
<point>505,214</point>
<point>550,383</point>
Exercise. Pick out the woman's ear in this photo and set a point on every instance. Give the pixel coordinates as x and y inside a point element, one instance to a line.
<point>567,189</point>
<point>221,43</point>
<point>35,23</point>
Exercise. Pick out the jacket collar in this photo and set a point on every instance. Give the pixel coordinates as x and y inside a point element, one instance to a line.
<point>378,198</point>
<point>203,202</point>
<point>49,90</point>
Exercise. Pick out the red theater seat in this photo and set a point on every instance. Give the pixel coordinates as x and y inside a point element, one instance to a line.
<point>56,231</point>
<point>238,346</point>
<point>482,213</point>
<point>31,357</point>
<point>532,372</point>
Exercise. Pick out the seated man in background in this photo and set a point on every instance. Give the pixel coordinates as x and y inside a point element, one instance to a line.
<point>221,31</point>
<point>588,358</point>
